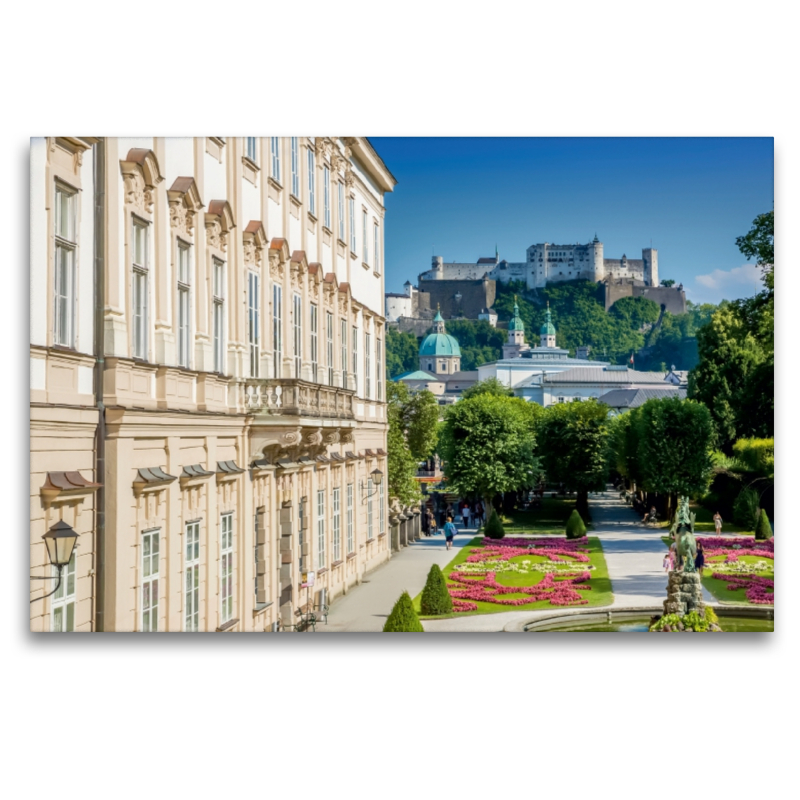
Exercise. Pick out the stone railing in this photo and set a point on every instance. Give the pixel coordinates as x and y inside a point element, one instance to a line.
<point>294,397</point>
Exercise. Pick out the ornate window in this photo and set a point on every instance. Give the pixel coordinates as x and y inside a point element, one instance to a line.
<point>295,168</point>
<point>376,265</point>
<point>277,328</point>
<point>140,263</point>
<point>312,182</point>
<point>353,225</point>
<point>343,353</point>
<point>251,150</point>
<point>351,546</point>
<point>184,304</point>
<point>326,197</point>
<point>314,341</point>
<point>367,365</point>
<point>379,367</point>
<point>337,523</point>
<point>226,567</point>
<point>329,350</point>
<point>62,606</point>
<point>364,240</point>
<point>191,579</point>
<point>218,313</point>
<point>341,211</point>
<point>275,153</point>
<point>320,528</point>
<point>150,567</point>
<point>297,329</point>
<point>65,259</point>
<point>254,322</point>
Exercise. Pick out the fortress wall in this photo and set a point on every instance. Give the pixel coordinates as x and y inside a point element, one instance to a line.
<point>475,296</point>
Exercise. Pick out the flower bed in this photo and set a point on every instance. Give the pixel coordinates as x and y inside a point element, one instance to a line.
<point>494,575</point>
<point>725,561</point>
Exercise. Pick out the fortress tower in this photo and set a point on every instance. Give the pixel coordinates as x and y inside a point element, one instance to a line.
<point>650,258</point>
<point>598,268</point>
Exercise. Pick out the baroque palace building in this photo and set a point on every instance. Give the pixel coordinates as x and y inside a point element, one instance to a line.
<point>207,377</point>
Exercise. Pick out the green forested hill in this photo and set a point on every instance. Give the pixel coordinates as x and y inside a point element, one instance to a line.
<point>580,318</point>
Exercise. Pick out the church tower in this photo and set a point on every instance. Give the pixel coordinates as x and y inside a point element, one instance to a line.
<point>547,337</point>
<point>516,335</point>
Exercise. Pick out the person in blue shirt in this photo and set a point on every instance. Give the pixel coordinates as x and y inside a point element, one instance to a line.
<point>449,532</point>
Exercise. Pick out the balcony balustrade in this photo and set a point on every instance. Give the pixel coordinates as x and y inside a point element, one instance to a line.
<point>296,398</point>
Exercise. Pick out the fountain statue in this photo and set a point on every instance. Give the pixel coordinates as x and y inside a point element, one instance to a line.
<point>684,590</point>
<point>682,531</point>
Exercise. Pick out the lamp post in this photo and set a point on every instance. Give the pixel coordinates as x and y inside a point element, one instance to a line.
<point>60,542</point>
<point>377,479</point>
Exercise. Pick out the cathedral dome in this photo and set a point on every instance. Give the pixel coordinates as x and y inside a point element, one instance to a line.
<point>516,323</point>
<point>439,344</point>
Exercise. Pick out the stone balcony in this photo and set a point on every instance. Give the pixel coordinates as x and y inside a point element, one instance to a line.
<point>293,397</point>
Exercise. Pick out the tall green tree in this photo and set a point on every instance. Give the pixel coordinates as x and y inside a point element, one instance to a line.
<point>402,352</point>
<point>420,415</point>
<point>735,374</point>
<point>572,440</point>
<point>674,447</point>
<point>401,464</point>
<point>487,444</point>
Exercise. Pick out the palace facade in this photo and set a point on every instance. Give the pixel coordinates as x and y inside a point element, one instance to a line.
<point>207,377</point>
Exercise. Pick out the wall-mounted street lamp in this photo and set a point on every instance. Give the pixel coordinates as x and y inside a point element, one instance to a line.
<point>377,479</point>
<point>60,542</point>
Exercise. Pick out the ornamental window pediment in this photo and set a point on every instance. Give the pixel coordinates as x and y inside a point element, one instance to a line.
<point>184,203</point>
<point>255,240</point>
<point>219,222</point>
<point>299,267</point>
<point>140,174</point>
<point>278,256</point>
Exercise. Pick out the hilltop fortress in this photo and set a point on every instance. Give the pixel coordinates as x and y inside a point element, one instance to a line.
<point>468,289</point>
<point>549,263</point>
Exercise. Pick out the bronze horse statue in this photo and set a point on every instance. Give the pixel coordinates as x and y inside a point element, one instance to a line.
<point>682,531</point>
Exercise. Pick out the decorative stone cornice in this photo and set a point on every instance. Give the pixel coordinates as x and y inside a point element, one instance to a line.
<point>184,203</point>
<point>141,175</point>
<point>255,240</point>
<point>278,255</point>
<point>219,222</point>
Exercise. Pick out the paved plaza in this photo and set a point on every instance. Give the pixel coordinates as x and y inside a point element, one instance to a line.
<point>633,554</point>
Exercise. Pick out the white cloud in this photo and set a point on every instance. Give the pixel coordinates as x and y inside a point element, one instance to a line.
<point>731,284</point>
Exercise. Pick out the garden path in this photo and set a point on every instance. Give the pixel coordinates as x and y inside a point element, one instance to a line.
<point>365,608</point>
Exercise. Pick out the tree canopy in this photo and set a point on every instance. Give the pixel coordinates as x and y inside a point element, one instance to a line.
<point>487,445</point>
<point>411,437</point>
<point>572,443</point>
<point>673,442</point>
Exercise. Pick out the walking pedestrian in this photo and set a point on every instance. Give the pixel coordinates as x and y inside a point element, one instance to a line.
<point>700,559</point>
<point>431,522</point>
<point>669,560</point>
<point>465,514</point>
<point>478,513</point>
<point>717,524</point>
<point>449,532</point>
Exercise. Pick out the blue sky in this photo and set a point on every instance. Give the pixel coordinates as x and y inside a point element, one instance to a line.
<point>690,197</point>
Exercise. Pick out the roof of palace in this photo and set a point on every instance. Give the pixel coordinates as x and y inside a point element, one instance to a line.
<point>633,398</point>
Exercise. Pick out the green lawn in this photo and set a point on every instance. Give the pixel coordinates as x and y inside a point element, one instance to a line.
<point>719,588</point>
<point>599,595</point>
<point>550,519</point>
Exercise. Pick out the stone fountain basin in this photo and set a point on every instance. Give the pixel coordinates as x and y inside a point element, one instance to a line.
<point>564,621</point>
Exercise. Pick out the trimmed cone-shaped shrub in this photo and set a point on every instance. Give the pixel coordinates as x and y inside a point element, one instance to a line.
<point>494,528</point>
<point>763,529</point>
<point>575,527</point>
<point>435,597</point>
<point>403,618</point>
